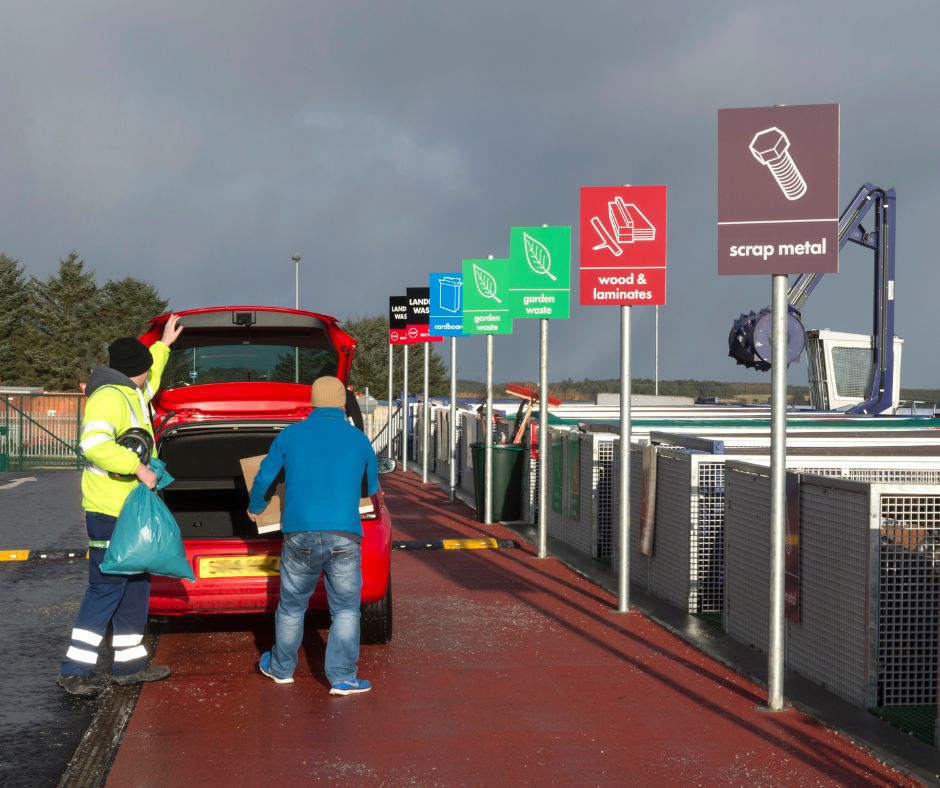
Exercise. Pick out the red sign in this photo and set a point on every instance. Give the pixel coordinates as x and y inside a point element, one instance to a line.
<point>623,245</point>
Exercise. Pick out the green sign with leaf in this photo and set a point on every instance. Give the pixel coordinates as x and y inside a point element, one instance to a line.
<point>541,271</point>
<point>487,300</point>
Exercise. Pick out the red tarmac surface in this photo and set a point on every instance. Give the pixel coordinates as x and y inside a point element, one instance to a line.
<point>504,670</point>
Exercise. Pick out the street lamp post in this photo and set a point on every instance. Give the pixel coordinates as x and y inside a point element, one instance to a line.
<point>296,259</point>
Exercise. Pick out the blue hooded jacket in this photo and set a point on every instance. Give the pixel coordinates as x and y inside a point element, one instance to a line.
<point>324,458</point>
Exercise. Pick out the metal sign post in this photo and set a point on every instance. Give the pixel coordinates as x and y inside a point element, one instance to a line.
<point>778,494</point>
<point>778,200</point>
<point>388,409</point>
<point>445,318</point>
<point>541,288</point>
<point>452,489</point>
<point>488,435</point>
<point>543,439</point>
<point>398,335</point>
<point>418,330</point>
<point>404,412</point>
<point>487,311</point>
<point>425,421</point>
<point>623,521</point>
<point>623,262</point>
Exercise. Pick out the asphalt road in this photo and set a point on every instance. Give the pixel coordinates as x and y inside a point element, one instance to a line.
<point>40,726</point>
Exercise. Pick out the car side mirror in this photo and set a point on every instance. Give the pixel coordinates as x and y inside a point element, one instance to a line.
<point>386,465</point>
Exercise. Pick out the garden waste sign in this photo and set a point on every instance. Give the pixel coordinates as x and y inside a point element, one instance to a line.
<point>541,271</point>
<point>487,300</point>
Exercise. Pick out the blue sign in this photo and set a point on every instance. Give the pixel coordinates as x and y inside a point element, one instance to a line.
<point>446,317</point>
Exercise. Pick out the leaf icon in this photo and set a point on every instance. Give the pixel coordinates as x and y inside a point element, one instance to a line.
<point>486,284</point>
<point>537,256</point>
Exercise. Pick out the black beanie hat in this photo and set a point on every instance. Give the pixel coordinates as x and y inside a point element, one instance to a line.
<point>129,356</point>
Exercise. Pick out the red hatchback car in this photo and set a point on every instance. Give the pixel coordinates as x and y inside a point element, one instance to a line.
<point>236,377</point>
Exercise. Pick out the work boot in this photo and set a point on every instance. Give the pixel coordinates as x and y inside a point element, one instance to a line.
<point>87,686</point>
<point>149,673</point>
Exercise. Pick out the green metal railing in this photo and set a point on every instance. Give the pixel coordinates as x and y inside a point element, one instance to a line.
<point>40,431</point>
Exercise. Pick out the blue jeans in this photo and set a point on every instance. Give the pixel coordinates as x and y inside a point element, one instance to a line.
<point>304,556</point>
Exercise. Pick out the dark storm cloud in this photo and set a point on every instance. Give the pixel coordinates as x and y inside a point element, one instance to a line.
<point>200,145</point>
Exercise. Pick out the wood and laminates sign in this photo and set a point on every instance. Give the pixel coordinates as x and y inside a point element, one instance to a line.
<point>623,245</point>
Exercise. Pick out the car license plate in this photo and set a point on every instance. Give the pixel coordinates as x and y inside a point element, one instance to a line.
<point>240,566</point>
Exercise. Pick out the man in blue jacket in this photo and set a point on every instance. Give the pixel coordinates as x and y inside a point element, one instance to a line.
<point>324,458</point>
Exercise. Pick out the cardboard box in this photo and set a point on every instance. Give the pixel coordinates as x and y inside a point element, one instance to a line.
<point>270,519</point>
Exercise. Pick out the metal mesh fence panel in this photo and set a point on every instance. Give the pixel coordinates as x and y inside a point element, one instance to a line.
<point>556,498</point>
<point>530,489</point>
<point>869,588</point>
<point>706,594</point>
<point>747,548</point>
<point>830,643</point>
<point>604,517</point>
<point>908,598</point>
<point>579,489</point>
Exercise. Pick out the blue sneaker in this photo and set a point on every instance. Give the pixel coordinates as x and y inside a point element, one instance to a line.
<point>353,687</point>
<point>264,664</point>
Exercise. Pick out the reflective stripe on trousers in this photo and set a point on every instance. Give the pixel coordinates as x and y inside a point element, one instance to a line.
<point>118,600</point>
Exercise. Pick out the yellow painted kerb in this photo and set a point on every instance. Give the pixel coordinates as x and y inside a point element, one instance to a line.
<point>470,544</point>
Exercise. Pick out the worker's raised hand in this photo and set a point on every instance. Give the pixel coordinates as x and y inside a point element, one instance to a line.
<point>252,517</point>
<point>171,330</point>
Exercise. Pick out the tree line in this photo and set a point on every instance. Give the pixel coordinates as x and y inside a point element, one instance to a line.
<point>53,330</point>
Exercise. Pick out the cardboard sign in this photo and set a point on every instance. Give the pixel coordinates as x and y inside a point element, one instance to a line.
<point>623,245</point>
<point>270,519</point>
<point>446,311</point>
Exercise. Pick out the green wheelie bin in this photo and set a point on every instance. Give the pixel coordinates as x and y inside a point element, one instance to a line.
<point>508,465</point>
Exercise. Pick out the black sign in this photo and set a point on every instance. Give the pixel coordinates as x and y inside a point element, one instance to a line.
<point>419,315</point>
<point>398,320</point>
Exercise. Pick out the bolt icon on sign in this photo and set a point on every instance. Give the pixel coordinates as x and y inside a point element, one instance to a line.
<point>771,147</point>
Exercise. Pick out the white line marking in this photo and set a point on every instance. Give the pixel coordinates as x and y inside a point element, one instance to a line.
<point>17,482</point>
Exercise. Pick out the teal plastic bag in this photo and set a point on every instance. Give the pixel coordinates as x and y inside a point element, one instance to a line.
<point>146,537</point>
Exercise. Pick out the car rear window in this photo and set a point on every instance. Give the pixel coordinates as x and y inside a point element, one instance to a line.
<point>247,361</point>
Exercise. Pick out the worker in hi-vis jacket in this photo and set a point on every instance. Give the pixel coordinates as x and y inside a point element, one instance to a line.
<point>117,406</point>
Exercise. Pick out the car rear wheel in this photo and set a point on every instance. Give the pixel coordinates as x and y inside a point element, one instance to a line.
<point>376,621</point>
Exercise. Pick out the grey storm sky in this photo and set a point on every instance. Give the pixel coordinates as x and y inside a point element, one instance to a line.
<point>199,145</point>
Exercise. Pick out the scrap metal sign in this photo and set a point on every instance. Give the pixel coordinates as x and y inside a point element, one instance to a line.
<point>778,190</point>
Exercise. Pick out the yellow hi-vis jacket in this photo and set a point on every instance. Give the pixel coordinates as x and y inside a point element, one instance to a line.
<point>113,408</point>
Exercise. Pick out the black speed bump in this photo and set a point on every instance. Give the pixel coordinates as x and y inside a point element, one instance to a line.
<point>413,544</point>
<point>42,555</point>
<point>454,544</point>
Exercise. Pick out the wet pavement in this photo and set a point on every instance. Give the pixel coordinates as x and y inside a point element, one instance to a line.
<point>504,669</point>
<point>40,726</point>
